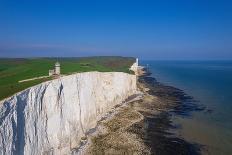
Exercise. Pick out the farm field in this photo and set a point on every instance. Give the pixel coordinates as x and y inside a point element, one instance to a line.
<point>13,70</point>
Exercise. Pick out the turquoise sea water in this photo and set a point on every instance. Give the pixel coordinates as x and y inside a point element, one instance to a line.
<point>209,82</point>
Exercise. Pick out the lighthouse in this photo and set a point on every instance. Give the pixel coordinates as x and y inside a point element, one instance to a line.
<point>137,61</point>
<point>57,68</point>
<point>55,71</point>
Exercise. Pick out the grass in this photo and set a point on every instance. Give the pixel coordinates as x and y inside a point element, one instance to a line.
<point>14,70</point>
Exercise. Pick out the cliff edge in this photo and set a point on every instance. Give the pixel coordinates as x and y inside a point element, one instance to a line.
<point>52,117</point>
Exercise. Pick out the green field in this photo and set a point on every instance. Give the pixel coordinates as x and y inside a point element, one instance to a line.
<point>14,70</point>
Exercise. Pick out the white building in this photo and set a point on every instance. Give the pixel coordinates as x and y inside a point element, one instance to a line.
<point>135,66</point>
<point>56,70</point>
<point>137,61</point>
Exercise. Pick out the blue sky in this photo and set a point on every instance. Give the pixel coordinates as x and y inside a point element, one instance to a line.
<point>149,29</point>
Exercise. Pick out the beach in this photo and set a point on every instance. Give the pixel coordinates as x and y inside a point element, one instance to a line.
<point>143,125</point>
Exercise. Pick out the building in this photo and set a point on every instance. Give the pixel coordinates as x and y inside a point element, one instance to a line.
<point>56,70</point>
<point>51,72</point>
<point>137,61</point>
<point>135,66</point>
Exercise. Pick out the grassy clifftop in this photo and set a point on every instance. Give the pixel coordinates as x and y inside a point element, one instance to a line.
<point>14,70</point>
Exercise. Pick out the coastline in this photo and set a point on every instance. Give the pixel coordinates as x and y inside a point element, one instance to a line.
<point>60,112</point>
<point>144,125</point>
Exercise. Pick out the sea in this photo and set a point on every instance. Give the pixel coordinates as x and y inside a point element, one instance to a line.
<point>210,84</point>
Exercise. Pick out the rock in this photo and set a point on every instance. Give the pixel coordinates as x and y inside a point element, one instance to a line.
<point>52,117</point>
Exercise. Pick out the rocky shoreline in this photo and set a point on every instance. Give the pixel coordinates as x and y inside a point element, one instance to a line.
<point>143,125</point>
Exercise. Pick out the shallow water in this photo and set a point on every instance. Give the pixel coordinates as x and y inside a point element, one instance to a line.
<point>210,83</point>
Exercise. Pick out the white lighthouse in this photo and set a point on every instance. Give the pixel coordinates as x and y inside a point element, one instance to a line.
<point>135,66</point>
<point>57,68</point>
<point>137,61</point>
<point>55,71</point>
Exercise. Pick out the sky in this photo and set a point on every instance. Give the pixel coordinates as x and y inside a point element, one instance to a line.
<point>148,29</point>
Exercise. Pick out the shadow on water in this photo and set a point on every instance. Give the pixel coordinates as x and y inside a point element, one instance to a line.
<point>156,128</point>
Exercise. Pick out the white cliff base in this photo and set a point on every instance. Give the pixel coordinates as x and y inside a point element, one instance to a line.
<point>51,118</point>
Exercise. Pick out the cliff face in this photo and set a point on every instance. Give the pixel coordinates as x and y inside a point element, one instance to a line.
<point>51,118</point>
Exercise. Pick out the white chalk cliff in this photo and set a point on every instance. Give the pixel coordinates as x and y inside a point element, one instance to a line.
<point>51,118</point>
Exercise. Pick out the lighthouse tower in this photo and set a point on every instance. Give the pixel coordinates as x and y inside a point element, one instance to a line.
<point>137,62</point>
<point>57,68</point>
